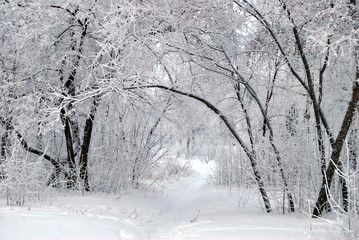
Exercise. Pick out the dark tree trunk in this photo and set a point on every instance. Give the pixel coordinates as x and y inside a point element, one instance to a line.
<point>71,127</point>
<point>337,147</point>
<point>353,146</point>
<point>86,146</point>
<point>5,142</point>
<point>71,180</point>
<point>348,118</point>
<point>343,183</point>
<point>5,145</point>
<point>5,138</point>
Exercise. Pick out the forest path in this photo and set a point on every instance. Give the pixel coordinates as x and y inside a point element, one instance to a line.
<point>194,209</point>
<point>188,208</point>
<point>184,201</point>
<point>184,198</point>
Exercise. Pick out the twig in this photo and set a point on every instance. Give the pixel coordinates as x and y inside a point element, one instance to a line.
<point>195,218</point>
<point>134,212</point>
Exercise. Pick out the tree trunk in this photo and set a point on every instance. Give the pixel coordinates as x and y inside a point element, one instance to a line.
<point>251,139</point>
<point>348,118</point>
<point>86,146</point>
<point>353,145</point>
<point>5,145</point>
<point>5,141</point>
<point>71,127</point>
<point>71,180</point>
<point>337,147</point>
<point>345,191</point>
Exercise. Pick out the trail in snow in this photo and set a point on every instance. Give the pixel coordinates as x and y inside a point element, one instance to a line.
<point>189,208</point>
<point>182,197</point>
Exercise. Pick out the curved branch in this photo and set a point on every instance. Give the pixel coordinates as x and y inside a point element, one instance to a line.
<point>225,120</point>
<point>205,102</point>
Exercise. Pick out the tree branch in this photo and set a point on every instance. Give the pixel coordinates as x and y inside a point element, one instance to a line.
<point>256,14</point>
<point>28,148</point>
<point>321,72</point>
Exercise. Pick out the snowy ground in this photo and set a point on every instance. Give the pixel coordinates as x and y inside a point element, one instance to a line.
<point>187,208</point>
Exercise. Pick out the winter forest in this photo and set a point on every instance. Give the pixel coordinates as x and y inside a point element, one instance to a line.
<point>181,117</point>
